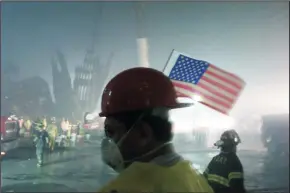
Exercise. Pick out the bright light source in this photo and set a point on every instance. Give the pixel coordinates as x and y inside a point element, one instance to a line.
<point>182,118</point>
<point>197,98</point>
<point>2,153</point>
<point>184,100</point>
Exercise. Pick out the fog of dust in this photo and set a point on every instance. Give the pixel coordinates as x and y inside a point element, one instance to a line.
<point>198,128</point>
<point>142,45</point>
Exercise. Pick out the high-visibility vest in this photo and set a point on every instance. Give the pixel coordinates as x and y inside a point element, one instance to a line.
<point>151,177</point>
<point>27,124</point>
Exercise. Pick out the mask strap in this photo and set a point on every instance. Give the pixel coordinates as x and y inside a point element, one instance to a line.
<point>131,128</point>
<point>150,152</point>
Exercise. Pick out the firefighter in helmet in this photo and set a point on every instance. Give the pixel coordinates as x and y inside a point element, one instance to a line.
<point>225,171</point>
<point>138,135</point>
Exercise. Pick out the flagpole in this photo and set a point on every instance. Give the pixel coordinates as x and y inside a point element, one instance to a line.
<point>168,60</point>
<point>142,43</point>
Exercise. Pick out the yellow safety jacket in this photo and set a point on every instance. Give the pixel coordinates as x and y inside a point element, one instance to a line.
<point>44,122</point>
<point>151,177</point>
<point>27,124</point>
<point>52,130</point>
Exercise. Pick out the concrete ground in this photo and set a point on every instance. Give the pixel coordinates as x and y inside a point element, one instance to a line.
<point>80,170</point>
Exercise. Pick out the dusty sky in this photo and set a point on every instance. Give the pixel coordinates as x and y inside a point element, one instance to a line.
<point>250,39</point>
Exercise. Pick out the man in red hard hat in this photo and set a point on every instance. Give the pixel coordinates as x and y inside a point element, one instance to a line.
<point>136,104</point>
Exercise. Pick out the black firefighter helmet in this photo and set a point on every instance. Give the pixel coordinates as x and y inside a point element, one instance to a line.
<point>229,138</point>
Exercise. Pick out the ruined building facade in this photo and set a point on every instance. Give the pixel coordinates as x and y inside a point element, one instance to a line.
<point>89,80</point>
<point>84,84</point>
<point>73,100</point>
<point>65,103</point>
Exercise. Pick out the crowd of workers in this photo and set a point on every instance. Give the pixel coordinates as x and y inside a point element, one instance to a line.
<point>49,133</point>
<point>46,134</point>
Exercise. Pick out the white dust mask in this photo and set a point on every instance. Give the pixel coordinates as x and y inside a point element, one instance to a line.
<point>112,155</point>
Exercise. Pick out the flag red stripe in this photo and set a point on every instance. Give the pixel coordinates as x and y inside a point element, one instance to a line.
<point>224,79</point>
<point>203,95</point>
<point>229,74</point>
<point>220,86</point>
<point>213,91</point>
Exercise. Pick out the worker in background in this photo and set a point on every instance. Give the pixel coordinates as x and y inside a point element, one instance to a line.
<point>138,136</point>
<point>27,126</point>
<point>52,132</point>
<point>44,121</point>
<point>63,126</point>
<point>87,125</point>
<point>21,127</point>
<point>225,171</point>
<point>20,122</point>
<point>68,133</point>
<point>41,140</point>
<point>73,137</point>
<point>81,132</point>
<point>78,128</point>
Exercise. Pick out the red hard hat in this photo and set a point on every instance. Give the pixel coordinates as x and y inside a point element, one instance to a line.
<point>138,89</point>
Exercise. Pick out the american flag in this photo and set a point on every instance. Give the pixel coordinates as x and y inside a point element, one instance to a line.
<point>204,82</point>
